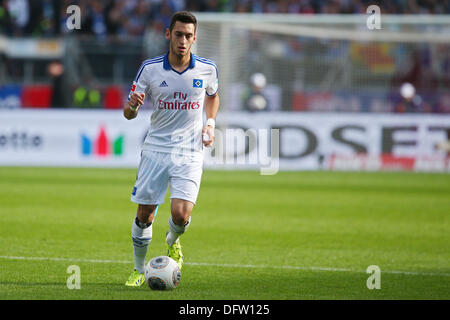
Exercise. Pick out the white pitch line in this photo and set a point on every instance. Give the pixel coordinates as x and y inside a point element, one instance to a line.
<point>226,265</point>
<point>314,268</point>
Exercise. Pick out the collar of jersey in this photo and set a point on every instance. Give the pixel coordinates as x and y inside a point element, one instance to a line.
<point>167,65</point>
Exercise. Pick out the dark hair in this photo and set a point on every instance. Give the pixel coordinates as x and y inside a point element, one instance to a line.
<point>183,16</point>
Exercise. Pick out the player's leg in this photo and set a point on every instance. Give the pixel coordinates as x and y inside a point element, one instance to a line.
<point>141,234</point>
<point>148,192</point>
<point>179,220</point>
<point>178,224</point>
<point>185,181</point>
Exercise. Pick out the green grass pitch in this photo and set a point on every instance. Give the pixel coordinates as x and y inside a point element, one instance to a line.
<point>294,235</point>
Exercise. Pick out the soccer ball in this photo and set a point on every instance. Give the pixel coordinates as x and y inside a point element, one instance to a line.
<point>162,273</point>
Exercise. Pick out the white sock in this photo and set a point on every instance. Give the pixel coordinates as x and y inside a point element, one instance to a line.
<point>175,231</point>
<point>141,235</point>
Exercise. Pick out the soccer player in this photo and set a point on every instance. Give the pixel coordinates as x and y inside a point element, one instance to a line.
<point>180,85</point>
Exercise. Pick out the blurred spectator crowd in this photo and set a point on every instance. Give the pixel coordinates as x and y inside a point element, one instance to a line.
<point>110,67</point>
<point>125,18</point>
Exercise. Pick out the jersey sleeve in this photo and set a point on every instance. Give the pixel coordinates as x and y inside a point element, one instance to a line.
<point>140,83</point>
<point>213,82</point>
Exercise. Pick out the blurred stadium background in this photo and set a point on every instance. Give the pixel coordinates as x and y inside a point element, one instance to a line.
<point>343,96</point>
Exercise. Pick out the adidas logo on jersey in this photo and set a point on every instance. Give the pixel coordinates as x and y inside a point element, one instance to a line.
<point>163,84</point>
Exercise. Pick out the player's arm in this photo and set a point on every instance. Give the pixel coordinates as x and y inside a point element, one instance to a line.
<point>131,107</point>
<point>211,108</point>
<point>136,96</point>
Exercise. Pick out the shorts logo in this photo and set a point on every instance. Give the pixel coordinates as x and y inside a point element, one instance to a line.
<point>198,83</point>
<point>134,191</point>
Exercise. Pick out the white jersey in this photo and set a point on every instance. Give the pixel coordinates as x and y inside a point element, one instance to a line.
<point>177,118</point>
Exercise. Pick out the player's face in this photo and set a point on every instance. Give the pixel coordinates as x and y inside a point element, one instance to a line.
<point>181,38</point>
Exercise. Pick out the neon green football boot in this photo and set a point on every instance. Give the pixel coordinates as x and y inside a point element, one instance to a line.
<point>174,251</point>
<point>136,279</point>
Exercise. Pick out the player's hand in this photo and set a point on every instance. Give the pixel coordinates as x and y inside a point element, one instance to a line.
<point>137,99</point>
<point>208,136</point>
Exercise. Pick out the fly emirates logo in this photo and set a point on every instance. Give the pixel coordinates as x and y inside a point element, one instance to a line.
<point>180,102</point>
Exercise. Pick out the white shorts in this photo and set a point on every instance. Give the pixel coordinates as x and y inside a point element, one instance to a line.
<point>157,170</point>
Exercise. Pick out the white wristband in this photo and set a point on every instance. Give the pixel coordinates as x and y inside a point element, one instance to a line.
<point>211,122</point>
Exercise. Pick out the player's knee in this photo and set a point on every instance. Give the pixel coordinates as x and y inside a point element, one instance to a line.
<point>181,211</point>
<point>180,219</point>
<point>180,216</point>
<point>146,213</point>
